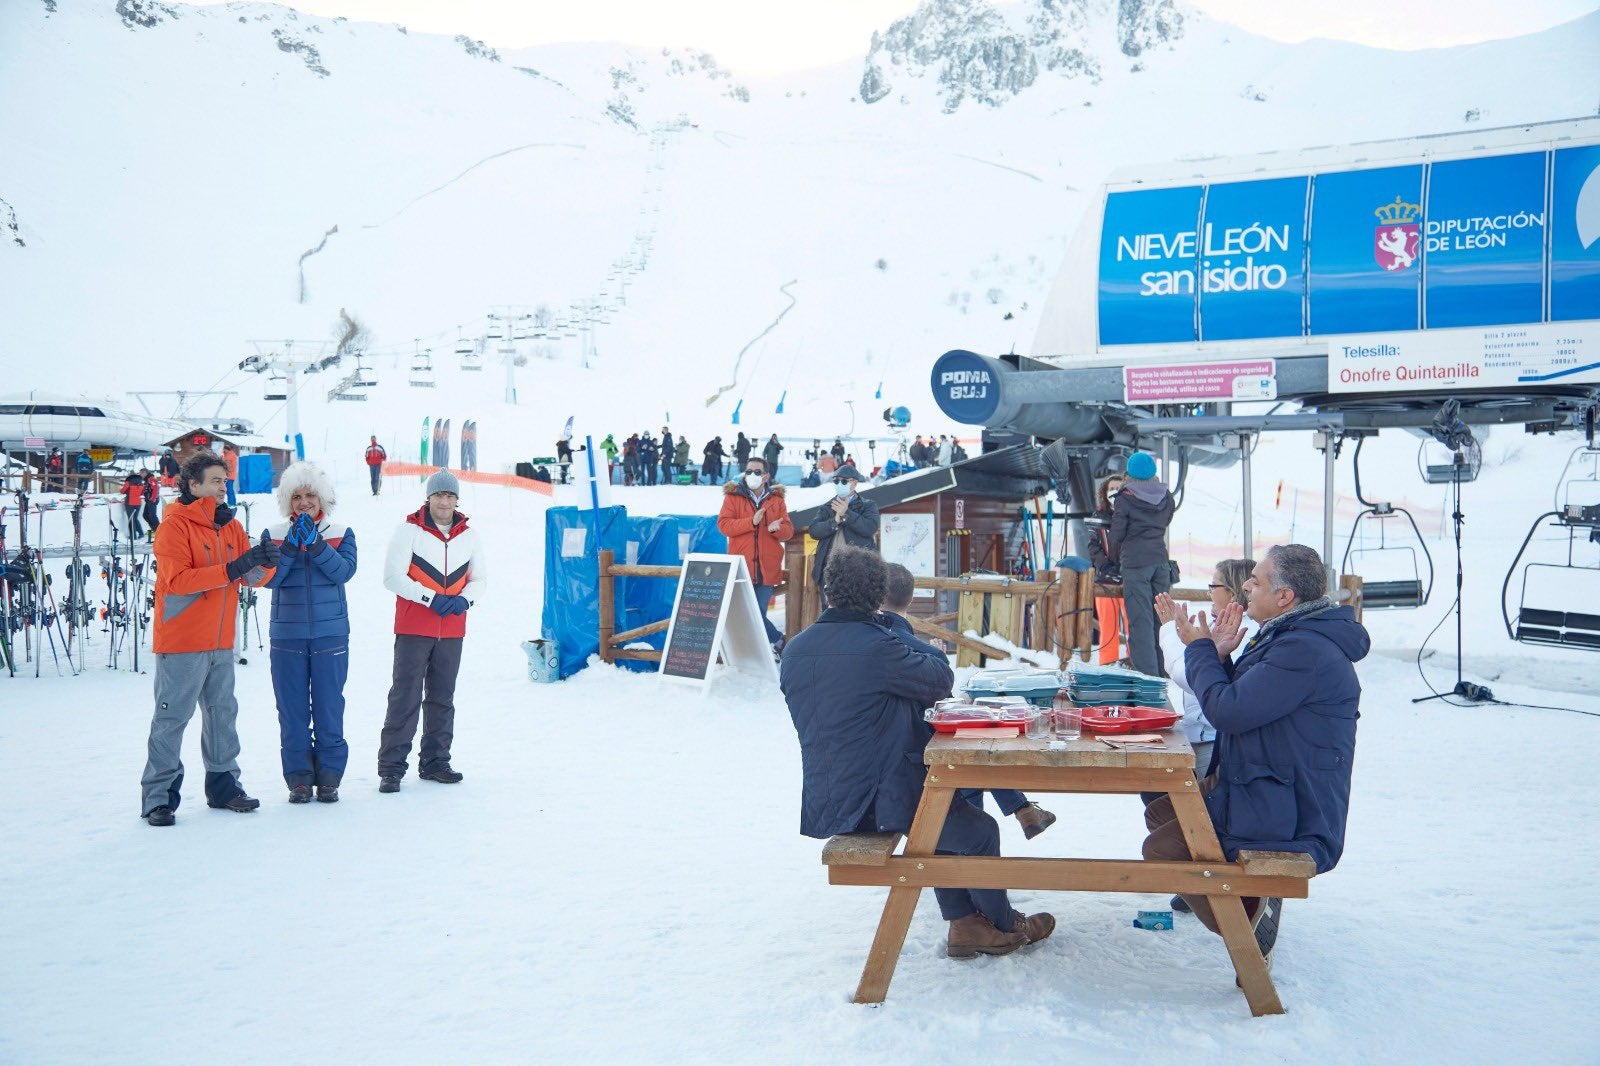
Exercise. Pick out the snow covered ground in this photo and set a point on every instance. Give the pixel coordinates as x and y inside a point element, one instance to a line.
<point>620,876</point>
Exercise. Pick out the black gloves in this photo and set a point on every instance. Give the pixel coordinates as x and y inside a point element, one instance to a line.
<point>264,555</point>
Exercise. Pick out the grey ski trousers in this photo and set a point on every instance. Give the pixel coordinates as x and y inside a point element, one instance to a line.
<point>204,677</point>
<point>424,682</point>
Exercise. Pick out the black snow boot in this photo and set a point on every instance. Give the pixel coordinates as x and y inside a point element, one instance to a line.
<point>327,793</point>
<point>388,783</point>
<point>443,774</point>
<point>240,803</point>
<point>161,816</point>
<point>300,794</point>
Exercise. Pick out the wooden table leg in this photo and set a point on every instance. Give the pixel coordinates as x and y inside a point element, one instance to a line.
<point>902,903</point>
<point>1237,933</point>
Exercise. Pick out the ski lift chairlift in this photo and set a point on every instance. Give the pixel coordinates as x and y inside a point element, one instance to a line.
<point>276,388</point>
<point>1405,590</point>
<point>1564,595</point>
<point>1582,489</point>
<point>422,370</point>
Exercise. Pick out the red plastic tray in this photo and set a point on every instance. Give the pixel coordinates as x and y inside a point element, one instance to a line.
<point>1128,719</point>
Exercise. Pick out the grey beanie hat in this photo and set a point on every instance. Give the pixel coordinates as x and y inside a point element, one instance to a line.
<point>443,481</point>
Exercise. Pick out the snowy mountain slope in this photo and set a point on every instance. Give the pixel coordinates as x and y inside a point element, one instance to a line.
<point>167,180</point>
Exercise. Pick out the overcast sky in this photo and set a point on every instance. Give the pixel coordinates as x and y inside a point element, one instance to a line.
<point>768,36</point>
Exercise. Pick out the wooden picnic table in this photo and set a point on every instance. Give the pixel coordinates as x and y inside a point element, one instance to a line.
<point>1086,765</point>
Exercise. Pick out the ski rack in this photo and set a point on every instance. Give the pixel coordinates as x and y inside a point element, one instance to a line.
<point>28,602</point>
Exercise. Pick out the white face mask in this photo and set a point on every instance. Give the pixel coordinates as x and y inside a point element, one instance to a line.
<point>841,490</point>
<point>754,481</point>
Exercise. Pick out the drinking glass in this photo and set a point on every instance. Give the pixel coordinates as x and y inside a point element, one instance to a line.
<point>1066,718</point>
<point>1039,725</point>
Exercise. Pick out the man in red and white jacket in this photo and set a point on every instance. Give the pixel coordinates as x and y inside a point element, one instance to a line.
<point>375,458</point>
<point>435,569</point>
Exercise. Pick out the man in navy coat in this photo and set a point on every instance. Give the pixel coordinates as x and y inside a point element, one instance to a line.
<point>1285,714</point>
<point>856,693</point>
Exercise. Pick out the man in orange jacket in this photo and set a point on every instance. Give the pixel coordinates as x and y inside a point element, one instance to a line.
<point>755,519</point>
<point>202,554</point>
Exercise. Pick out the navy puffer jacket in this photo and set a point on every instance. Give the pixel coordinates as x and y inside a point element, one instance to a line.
<point>1285,712</point>
<point>856,694</point>
<point>308,599</point>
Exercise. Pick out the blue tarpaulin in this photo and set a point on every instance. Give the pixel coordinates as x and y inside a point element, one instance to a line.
<point>699,533</point>
<point>651,542</point>
<point>571,579</point>
<point>255,474</point>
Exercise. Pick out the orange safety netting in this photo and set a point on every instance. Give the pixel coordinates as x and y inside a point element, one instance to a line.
<point>478,477</point>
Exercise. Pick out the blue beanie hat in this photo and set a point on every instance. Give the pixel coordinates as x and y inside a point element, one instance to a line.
<point>1141,466</point>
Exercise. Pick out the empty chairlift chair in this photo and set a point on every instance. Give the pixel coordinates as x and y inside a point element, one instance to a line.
<point>1559,598</point>
<point>1391,574</point>
<point>467,355</point>
<point>422,369</point>
<point>276,388</point>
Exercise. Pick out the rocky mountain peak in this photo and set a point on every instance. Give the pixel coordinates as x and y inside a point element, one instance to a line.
<point>977,51</point>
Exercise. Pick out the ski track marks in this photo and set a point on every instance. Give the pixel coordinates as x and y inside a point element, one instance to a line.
<point>738,360</point>
<point>1000,166</point>
<point>308,253</point>
<point>486,159</point>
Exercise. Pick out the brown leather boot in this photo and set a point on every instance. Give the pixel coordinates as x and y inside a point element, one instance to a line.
<point>976,935</point>
<point>1034,820</point>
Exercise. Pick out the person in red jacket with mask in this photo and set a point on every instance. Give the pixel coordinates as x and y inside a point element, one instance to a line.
<point>435,569</point>
<point>755,519</point>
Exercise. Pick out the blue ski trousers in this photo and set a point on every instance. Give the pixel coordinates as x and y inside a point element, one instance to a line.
<point>308,679</point>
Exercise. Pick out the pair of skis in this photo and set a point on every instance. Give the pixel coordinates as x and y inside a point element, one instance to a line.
<point>436,437</point>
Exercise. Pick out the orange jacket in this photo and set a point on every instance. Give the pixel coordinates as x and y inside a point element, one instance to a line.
<point>762,550</point>
<point>195,602</point>
<point>230,459</point>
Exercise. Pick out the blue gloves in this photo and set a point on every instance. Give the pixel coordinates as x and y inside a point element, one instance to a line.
<point>303,533</point>
<point>445,604</point>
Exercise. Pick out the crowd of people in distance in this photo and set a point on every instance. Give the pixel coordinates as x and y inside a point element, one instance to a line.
<point>646,459</point>
<point>433,565</point>
<point>1265,678</point>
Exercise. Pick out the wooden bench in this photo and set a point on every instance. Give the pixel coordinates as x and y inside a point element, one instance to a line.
<point>859,849</point>
<point>1278,864</point>
<point>1077,766</point>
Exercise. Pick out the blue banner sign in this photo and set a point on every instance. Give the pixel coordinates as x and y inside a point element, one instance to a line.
<point>1149,266</point>
<point>1367,272</point>
<point>1575,235</point>
<point>1507,239</point>
<point>1484,252</point>
<point>1252,251</point>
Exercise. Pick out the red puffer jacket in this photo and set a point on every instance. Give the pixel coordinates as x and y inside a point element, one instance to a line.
<point>762,548</point>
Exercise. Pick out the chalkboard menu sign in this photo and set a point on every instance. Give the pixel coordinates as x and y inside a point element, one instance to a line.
<point>697,618</point>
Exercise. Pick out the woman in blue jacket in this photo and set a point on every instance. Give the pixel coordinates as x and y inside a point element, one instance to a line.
<point>311,633</point>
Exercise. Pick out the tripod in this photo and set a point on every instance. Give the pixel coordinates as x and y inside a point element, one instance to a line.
<point>1467,690</point>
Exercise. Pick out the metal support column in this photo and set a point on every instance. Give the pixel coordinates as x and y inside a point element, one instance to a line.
<point>1245,449</point>
<point>1328,442</point>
